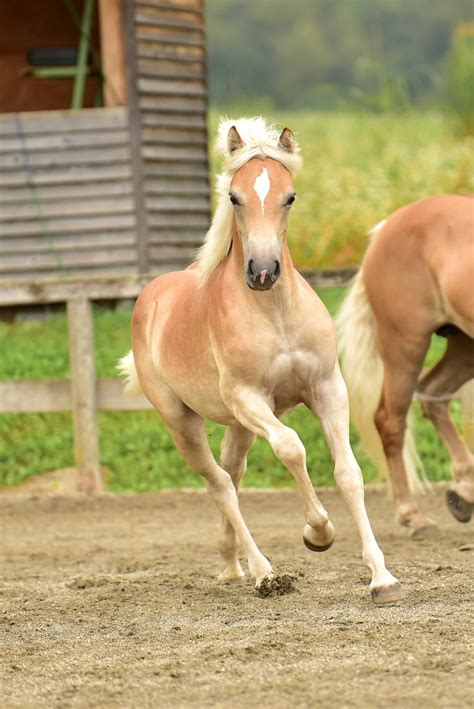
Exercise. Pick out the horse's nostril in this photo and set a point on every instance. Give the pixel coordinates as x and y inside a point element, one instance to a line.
<point>276,271</point>
<point>252,272</point>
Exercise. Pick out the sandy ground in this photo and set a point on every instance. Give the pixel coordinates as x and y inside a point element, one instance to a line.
<point>114,602</point>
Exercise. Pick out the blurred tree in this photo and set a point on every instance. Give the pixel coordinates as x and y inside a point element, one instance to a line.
<point>312,53</point>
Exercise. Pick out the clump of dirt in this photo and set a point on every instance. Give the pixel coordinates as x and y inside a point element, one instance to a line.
<point>276,585</point>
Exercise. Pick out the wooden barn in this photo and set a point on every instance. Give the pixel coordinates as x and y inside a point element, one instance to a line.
<point>103,138</point>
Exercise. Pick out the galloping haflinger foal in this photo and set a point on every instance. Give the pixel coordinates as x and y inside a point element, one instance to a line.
<point>417,278</point>
<point>240,338</point>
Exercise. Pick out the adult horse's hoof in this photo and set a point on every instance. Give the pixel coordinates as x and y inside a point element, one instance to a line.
<point>313,547</point>
<point>459,508</point>
<point>425,532</point>
<point>387,594</point>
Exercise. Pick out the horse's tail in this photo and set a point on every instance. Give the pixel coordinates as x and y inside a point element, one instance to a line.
<point>466,398</point>
<point>128,371</point>
<point>362,368</point>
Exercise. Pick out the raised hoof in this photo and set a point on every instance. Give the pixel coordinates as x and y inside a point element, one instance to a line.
<point>459,508</point>
<point>313,547</point>
<point>426,532</point>
<point>387,594</point>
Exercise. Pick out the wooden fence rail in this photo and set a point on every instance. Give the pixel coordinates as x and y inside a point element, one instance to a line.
<point>84,394</point>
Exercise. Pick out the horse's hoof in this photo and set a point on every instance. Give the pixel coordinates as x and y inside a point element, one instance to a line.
<point>427,531</point>
<point>387,594</point>
<point>313,547</point>
<point>459,508</point>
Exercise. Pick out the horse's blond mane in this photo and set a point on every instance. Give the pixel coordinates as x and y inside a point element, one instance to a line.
<point>260,140</point>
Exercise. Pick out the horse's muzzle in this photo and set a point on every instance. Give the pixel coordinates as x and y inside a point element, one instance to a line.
<point>262,275</point>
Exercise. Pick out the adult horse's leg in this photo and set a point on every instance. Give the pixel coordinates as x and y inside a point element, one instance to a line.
<point>435,389</point>
<point>329,402</point>
<point>254,413</point>
<point>402,359</point>
<point>235,446</point>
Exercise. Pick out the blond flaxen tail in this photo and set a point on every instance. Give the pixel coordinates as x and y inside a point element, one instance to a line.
<point>362,368</point>
<point>127,369</point>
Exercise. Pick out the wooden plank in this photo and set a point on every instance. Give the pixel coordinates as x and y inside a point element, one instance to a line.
<point>76,157</point>
<point>176,171</point>
<point>150,19</point>
<point>88,119</point>
<point>172,87</point>
<point>178,220</point>
<point>59,290</point>
<point>69,226</point>
<point>66,175</point>
<point>52,259</point>
<point>175,39</point>
<point>187,154</point>
<point>186,236</point>
<point>173,104</point>
<point>180,55</point>
<point>177,7</point>
<point>177,188</point>
<point>177,136</point>
<point>67,141</point>
<point>64,208</point>
<point>169,69</point>
<point>54,395</point>
<point>192,121</point>
<point>53,193</point>
<point>74,242</point>
<point>112,52</point>
<point>179,204</point>
<point>83,395</point>
<point>134,117</point>
<point>100,270</point>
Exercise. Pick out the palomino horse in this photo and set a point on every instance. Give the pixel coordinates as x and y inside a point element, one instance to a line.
<point>240,338</point>
<point>417,278</point>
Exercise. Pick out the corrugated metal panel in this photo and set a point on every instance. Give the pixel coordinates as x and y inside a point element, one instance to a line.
<point>66,202</point>
<point>170,50</point>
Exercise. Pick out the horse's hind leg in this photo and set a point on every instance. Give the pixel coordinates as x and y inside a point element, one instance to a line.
<point>434,390</point>
<point>329,402</point>
<point>235,446</point>
<point>402,358</point>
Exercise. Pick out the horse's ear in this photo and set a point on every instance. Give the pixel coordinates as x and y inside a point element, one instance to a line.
<point>234,141</point>
<point>287,141</point>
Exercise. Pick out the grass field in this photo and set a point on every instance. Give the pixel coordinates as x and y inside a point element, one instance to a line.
<point>358,169</point>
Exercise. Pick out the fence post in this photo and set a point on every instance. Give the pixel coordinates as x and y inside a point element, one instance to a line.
<point>83,394</point>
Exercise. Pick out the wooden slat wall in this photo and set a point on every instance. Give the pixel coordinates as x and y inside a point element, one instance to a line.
<point>171,84</point>
<point>66,203</point>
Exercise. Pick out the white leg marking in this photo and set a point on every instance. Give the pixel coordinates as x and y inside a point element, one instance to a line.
<point>262,187</point>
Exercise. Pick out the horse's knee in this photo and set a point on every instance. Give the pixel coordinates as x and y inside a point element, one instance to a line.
<point>391,431</point>
<point>349,480</point>
<point>288,448</point>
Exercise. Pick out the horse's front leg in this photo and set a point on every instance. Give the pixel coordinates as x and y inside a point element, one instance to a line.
<point>329,402</point>
<point>254,412</point>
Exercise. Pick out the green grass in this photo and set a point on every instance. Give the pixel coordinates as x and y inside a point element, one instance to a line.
<point>136,449</point>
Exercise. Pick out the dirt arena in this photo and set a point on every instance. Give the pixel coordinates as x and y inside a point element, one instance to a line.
<point>114,602</point>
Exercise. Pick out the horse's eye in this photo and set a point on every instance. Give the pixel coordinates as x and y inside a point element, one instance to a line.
<point>289,201</point>
<point>234,199</point>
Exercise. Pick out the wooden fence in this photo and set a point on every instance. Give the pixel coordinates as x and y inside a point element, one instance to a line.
<point>84,394</point>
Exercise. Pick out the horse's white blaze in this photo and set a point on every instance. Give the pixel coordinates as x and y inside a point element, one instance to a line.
<point>262,187</point>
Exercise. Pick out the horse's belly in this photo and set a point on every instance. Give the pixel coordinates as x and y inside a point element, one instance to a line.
<point>200,392</point>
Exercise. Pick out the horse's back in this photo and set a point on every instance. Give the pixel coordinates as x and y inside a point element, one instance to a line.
<point>419,268</point>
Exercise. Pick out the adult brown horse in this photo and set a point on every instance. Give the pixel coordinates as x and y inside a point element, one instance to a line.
<point>417,278</point>
<point>240,338</point>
